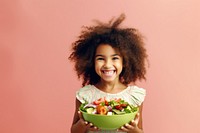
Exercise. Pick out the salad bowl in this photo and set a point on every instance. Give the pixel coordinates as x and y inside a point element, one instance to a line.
<point>109,116</point>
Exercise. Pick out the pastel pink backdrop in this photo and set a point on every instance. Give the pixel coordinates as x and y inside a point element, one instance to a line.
<point>38,84</point>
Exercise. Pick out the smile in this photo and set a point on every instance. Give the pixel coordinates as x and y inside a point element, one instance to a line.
<point>108,72</point>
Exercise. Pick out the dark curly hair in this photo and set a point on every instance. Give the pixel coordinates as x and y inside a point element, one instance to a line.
<point>127,40</point>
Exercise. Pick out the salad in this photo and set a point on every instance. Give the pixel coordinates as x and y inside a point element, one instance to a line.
<point>104,106</point>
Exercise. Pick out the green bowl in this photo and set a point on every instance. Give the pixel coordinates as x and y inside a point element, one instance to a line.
<point>109,122</point>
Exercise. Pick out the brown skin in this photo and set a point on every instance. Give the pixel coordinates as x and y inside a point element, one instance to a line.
<point>79,125</point>
<point>135,126</point>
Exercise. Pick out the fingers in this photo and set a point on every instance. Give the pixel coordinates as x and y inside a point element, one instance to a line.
<point>136,120</point>
<point>91,127</point>
<point>82,119</point>
<point>123,128</point>
<point>129,127</point>
<point>132,125</point>
<point>88,125</point>
<point>80,115</point>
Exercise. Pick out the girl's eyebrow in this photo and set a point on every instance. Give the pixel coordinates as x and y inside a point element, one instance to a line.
<point>98,55</point>
<point>103,55</point>
<point>115,55</point>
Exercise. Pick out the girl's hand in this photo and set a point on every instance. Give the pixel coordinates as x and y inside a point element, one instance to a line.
<point>84,125</point>
<point>132,126</point>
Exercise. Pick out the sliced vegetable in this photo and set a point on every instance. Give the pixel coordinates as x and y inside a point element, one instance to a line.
<point>104,106</point>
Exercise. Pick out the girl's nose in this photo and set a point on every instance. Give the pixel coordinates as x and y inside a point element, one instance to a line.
<point>108,63</point>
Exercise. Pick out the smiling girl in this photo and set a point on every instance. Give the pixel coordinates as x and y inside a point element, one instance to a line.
<point>108,59</point>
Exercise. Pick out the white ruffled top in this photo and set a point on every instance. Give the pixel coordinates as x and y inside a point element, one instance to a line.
<point>132,94</point>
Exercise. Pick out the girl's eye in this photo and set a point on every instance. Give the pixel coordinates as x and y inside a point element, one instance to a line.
<point>115,58</point>
<point>100,59</point>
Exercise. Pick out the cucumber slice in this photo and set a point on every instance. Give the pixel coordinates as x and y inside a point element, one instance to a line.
<point>89,110</point>
<point>118,112</point>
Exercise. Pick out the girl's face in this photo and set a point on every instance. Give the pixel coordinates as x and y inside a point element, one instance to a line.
<point>108,63</point>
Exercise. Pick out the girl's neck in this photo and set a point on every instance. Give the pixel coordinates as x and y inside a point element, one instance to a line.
<point>111,87</point>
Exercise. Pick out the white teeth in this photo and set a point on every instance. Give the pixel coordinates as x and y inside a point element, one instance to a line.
<point>108,73</point>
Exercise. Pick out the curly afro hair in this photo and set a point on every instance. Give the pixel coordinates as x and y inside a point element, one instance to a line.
<point>127,40</point>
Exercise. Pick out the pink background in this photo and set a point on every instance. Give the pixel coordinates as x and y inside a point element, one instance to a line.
<point>38,84</point>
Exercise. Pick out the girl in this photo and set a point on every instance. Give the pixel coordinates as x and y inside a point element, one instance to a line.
<point>108,58</point>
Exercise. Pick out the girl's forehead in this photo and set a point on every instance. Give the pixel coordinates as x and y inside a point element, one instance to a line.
<point>107,49</point>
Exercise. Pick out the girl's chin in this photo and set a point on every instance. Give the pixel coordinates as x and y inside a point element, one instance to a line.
<point>109,80</point>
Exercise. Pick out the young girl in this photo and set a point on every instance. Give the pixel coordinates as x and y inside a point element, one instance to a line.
<point>108,58</point>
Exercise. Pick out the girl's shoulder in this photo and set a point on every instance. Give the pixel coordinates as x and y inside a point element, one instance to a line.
<point>85,93</point>
<point>134,95</point>
<point>86,88</point>
<point>136,89</point>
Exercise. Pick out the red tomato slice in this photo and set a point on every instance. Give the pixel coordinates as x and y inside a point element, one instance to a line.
<point>118,107</point>
<point>124,105</point>
<point>106,103</point>
<point>100,100</point>
<point>117,100</point>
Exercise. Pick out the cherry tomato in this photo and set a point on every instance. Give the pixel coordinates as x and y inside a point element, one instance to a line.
<point>101,110</point>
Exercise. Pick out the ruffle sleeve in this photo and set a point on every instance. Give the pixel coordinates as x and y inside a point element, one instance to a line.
<point>137,95</point>
<point>85,94</point>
